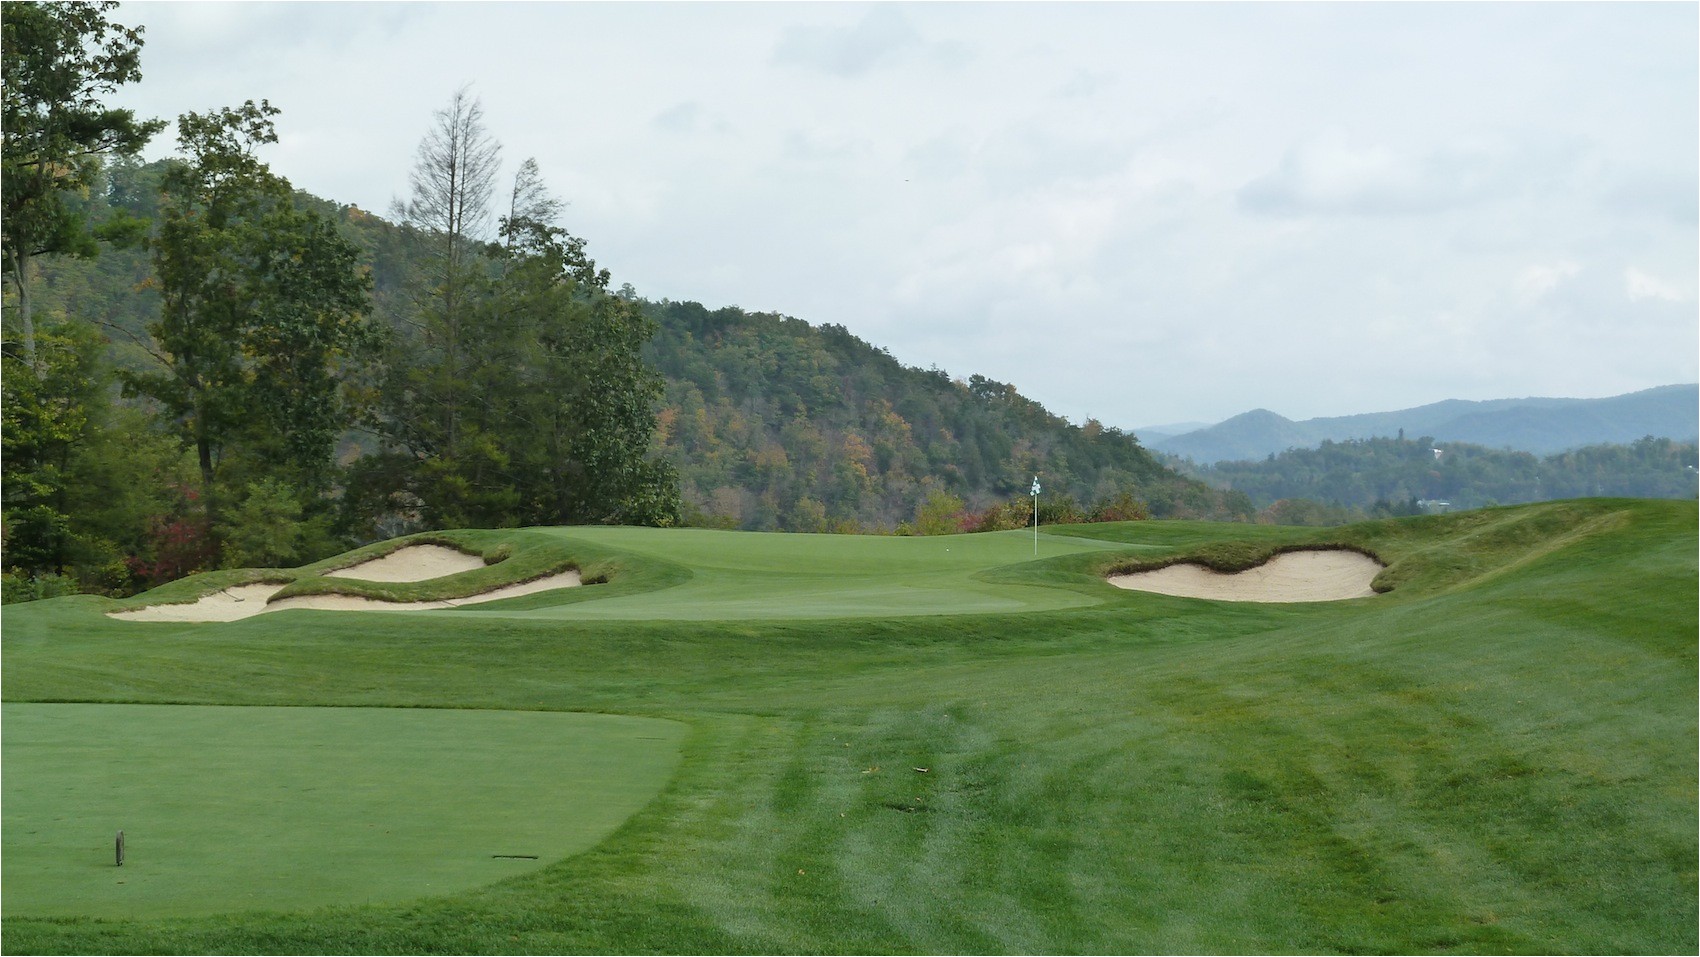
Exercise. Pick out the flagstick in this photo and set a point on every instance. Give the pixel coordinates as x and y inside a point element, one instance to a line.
<point>1035,516</point>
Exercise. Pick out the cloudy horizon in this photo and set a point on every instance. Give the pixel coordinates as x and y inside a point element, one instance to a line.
<point>1139,212</point>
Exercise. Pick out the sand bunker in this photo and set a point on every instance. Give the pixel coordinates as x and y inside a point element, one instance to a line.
<point>1332,575</point>
<point>239,601</point>
<point>415,563</point>
<point>568,579</point>
<point>244,601</point>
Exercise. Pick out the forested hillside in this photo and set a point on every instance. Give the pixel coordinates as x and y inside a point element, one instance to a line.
<point>777,424</point>
<point>1342,481</point>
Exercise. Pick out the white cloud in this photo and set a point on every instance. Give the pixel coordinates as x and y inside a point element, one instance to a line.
<point>1639,285</point>
<point>1331,174</point>
<point>1084,83</point>
<point>686,117</point>
<point>881,38</point>
<point>1536,282</point>
<point>823,144</point>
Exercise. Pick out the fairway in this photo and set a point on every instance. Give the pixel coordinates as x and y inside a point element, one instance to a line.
<point>284,808</point>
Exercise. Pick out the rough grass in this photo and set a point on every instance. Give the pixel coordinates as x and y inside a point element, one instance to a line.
<point>511,556</point>
<point>1497,755</point>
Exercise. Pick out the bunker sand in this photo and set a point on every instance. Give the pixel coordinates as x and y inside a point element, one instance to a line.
<point>231,604</point>
<point>1331,575</point>
<point>415,563</point>
<point>567,579</point>
<point>245,601</point>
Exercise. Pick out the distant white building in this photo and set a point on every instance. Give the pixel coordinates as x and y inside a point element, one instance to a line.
<point>1433,506</point>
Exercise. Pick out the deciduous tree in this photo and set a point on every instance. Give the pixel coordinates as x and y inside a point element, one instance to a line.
<point>262,307</point>
<point>58,61</point>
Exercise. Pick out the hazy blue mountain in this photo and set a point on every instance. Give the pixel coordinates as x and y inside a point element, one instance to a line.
<point>1169,430</point>
<point>1542,426</point>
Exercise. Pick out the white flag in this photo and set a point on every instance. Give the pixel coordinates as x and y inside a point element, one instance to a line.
<point>1035,485</point>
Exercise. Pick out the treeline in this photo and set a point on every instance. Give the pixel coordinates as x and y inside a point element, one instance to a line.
<point>250,378</point>
<point>1350,480</point>
<point>775,424</point>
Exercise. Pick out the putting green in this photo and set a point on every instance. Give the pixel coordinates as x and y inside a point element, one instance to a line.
<point>227,809</point>
<point>750,575</point>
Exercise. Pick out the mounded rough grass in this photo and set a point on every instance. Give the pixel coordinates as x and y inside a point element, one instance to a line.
<point>1496,756</point>
<point>511,556</point>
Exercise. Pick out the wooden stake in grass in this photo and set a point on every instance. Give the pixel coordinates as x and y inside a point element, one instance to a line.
<point>120,848</point>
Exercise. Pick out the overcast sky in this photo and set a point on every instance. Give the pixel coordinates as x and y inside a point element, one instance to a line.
<point>1141,212</point>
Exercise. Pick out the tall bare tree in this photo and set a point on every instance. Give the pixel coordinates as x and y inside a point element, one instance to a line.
<point>453,181</point>
<point>530,202</point>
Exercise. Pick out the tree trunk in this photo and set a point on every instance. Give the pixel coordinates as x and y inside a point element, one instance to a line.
<point>203,453</point>
<point>18,263</point>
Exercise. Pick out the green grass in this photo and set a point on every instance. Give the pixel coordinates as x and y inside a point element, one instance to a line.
<point>741,575</point>
<point>229,809</point>
<point>1497,755</point>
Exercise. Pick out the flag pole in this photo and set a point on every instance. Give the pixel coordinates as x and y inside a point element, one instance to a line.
<point>1035,516</point>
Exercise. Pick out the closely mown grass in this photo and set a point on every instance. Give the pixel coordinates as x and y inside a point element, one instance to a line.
<point>1498,755</point>
<point>228,809</point>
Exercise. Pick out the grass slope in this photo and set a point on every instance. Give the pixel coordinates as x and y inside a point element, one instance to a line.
<point>1498,755</point>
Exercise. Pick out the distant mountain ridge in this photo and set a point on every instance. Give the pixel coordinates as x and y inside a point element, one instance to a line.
<point>1542,426</point>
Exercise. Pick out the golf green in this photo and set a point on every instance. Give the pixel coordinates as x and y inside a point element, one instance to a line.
<point>744,575</point>
<point>234,808</point>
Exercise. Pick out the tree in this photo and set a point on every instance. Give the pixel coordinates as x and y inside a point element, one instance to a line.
<point>581,401</point>
<point>49,416</point>
<point>550,414</point>
<point>940,514</point>
<point>267,530</point>
<point>83,475</point>
<point>262,308</point>
<point>453,181</point>
<point>57,61</point>
<point>529,202</point>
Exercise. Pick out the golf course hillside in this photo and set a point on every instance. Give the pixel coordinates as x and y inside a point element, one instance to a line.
<point>1463,733</point>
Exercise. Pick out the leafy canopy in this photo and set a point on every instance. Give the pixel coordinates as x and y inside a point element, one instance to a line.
<point>58,60</point>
